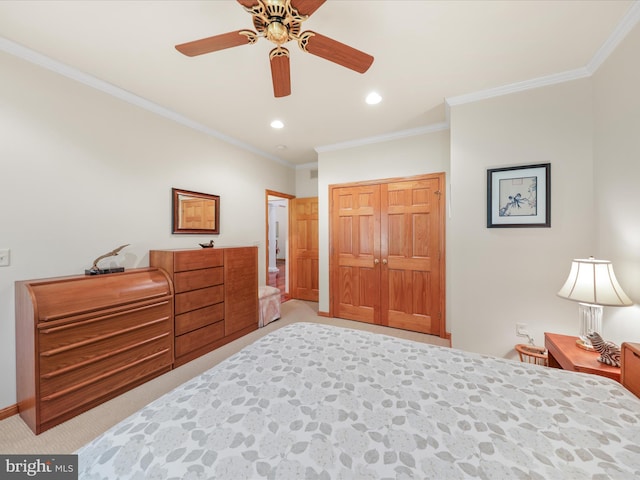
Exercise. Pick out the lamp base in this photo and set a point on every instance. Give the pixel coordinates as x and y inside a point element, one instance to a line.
<point>590,321</point>
<point>585,346</point>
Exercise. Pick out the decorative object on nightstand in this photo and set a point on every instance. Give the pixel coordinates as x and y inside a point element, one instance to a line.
<point>593,285</point>
<point>609,351</point>
<point>207,245</point>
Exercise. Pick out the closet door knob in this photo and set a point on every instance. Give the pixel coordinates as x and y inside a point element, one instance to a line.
<point>384,262</point>
<point>376,261</point>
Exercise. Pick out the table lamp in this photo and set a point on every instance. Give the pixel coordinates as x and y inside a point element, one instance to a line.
<point>593,285</point>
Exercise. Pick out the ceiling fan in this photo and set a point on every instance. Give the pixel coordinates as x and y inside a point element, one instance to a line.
<point>280,21</point>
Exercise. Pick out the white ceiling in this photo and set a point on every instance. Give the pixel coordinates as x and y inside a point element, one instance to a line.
<point>425,52</point>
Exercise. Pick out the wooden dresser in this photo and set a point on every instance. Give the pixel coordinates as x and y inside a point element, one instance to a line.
<point>82,340</point>
<point>216,296</point>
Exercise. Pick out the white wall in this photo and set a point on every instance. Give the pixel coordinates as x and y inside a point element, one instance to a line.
<point>501,276</point>
<point>617,173</point>
<point>417,155</point>
<point>83,172</point>
<point>306,183</point>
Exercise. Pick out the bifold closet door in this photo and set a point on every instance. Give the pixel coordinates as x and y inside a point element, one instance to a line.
<point>356,245</point>
<point>410,255</point>
<point>386,253</point>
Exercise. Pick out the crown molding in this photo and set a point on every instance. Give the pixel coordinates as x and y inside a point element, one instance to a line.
<point>437,127</point>
<point>60,68</point>
<point>307,165</point>
<point>628,22</point>
<point>519,86</point>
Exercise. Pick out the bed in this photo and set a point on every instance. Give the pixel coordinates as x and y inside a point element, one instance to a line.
<point>311,401</point>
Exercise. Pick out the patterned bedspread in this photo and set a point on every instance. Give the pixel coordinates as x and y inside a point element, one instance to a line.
<point>311,401</point>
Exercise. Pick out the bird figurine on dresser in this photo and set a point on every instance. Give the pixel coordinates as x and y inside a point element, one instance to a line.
<point>609,351</point>
<point>95,270</point>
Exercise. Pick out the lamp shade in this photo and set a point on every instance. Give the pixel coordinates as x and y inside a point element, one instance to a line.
<point>593,281</point>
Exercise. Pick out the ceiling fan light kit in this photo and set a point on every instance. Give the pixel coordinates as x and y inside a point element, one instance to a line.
<point>280,21</point>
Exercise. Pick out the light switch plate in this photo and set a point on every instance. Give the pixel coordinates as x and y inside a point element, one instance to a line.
<point>4,257</point>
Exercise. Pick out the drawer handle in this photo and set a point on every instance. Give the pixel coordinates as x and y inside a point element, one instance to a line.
<point>635,354</point>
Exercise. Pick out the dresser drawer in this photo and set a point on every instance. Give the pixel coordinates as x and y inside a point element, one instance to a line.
<point>102,331</point>
<point>94,389</point>
<point>198,338</point>
<point>196,259</point>
<point>202,317</point>
<point>59,373</point>
<point>187,301</point>
<point>195,279</point>
<point>630,362</point>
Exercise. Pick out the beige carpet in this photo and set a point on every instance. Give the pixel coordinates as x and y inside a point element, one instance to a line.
<point>16,437</point>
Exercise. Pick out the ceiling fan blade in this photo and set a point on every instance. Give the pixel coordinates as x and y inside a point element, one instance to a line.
<point>217,42</point>
<point>305,7</point>
<point>335,51</point>
<point>248,3</point>
<point>280,73</point>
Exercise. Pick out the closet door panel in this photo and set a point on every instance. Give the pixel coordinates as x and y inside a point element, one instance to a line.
<point>411,231</point>
<point>409,301</point>
<point>357,240</point>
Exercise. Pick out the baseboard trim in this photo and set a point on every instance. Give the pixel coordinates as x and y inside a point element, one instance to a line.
<point>9,411</point>
<point>324,314</point>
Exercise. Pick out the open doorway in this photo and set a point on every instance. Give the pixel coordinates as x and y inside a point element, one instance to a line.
<point>277,241</point>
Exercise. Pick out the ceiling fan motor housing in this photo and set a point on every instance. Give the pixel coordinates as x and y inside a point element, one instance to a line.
<point>277,20</point>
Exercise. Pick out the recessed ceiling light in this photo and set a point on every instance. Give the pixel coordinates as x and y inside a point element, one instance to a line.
<point>277,124</point>
<point>373,98</point>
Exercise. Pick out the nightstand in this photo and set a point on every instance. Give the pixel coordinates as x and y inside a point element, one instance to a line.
<point>630,357</point>
<point>565,354</point>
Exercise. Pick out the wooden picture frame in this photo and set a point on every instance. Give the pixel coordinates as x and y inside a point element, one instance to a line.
<point>195,212</point>
<point>519,196</point>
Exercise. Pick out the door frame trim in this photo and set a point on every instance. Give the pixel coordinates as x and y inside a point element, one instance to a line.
<point>443,256</point>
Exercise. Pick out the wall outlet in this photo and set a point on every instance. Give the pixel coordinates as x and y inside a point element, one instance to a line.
<point>4,257</point>
<point>521,330</point>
